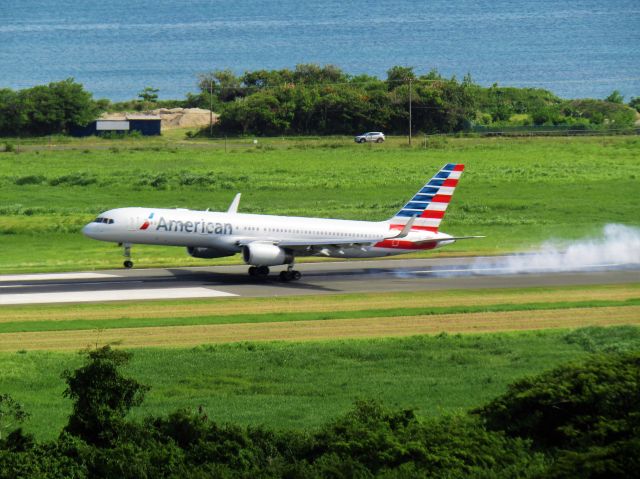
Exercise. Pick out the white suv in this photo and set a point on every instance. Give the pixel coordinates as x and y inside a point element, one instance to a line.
<point>376,136</point>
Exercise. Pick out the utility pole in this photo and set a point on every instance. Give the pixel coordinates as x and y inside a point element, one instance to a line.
<point>410,111</point>
<point>210,107</point>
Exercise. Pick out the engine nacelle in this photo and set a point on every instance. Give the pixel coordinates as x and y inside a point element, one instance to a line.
<point>265,254</point>
<point>200,252</point>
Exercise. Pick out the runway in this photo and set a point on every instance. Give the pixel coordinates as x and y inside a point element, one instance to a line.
<point>420,275</point>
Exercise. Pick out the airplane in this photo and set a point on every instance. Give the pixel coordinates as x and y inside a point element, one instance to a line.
<point>266,240</point>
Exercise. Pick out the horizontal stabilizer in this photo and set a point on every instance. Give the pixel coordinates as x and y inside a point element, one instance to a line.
<point>452,238</point>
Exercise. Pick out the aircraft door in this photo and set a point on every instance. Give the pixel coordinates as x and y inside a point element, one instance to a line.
<point>134,223</point>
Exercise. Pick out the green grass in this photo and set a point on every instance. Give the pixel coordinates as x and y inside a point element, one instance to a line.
<point>302,385</point>
<point>518,192</point>
<point>124,322</point>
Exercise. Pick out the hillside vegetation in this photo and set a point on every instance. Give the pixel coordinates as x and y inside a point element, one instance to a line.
<point>311,99</point>
<point>326,100</point>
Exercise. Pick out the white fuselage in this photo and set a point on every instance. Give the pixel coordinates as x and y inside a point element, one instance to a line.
<point>227,232</point>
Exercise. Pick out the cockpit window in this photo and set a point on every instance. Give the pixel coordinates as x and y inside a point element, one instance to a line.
<point>99,219</point>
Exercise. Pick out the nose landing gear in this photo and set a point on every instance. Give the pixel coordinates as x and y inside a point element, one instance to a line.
<point>127,255</point>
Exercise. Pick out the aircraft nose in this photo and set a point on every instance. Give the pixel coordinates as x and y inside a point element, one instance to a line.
<point>89,230</point>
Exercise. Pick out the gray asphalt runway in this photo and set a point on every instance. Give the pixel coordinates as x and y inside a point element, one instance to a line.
<point>318,278</point>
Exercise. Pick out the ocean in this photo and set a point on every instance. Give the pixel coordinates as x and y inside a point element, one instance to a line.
<point>575,48</point>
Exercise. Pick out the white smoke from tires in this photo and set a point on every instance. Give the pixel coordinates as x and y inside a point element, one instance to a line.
<point>618,246</point>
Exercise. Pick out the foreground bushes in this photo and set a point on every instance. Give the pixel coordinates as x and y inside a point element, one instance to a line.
<point>577,420</point>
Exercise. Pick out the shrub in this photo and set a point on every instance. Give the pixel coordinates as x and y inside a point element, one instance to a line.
<point>587,415</point>
<point>74,179</point>
<point>101,396</point>
<point>30,180</point>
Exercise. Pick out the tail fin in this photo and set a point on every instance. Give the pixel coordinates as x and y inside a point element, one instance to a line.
<point>430,203</point>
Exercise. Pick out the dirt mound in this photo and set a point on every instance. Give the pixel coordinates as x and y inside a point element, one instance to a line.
<point>184,117</point>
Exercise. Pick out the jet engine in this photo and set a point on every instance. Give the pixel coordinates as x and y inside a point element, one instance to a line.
<point>199,252</point>
<point>265,254</point>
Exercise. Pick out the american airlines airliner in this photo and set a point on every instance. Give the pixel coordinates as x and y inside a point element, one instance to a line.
<point>266,240</point>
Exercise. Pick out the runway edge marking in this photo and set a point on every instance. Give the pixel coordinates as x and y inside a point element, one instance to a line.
<point>112,295</point>
<point>54,276</point>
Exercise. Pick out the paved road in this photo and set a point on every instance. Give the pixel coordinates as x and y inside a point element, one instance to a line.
<point>318,278</point>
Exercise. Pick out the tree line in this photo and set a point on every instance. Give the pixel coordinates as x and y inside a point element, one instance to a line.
<point>313,99</point>
<point>578,420</point>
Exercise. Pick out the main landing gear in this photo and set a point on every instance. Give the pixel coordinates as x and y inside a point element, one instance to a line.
<point>263,271</point>
<point>259,271</point>
<point>127,255</point>
<point>290,274</point>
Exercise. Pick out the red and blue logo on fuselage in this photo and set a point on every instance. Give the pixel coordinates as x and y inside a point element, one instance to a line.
<point>147,222</point>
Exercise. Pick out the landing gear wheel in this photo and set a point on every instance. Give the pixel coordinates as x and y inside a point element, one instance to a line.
<point>290,275</point>
<point>259,271</point>
<point>127,256</point>
<point>262,271</point>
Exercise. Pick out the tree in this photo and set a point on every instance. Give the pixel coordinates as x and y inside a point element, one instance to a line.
<point>223,84</point>
<point>312,74</point>
<point>615,97</point>
<point>54,108</point>
<point>12,118</point>
<point>101,396</point>
<point>11,414</point>
<point>587,415</point>
<point>635,103</point>
<point>398,75</point>
<point>149,94</point>
<point>600,112</point>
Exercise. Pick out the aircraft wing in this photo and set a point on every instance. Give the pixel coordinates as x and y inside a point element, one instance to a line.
<point>327,242</point>
<point>309,243</point>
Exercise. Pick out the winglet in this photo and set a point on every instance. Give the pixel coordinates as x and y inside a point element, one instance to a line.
<point>233,207</point>
<point>405,231</point>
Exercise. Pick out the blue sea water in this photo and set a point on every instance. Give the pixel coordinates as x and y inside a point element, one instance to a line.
<point>576,48</point>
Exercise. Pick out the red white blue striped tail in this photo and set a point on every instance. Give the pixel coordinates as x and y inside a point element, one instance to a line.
<point>430,203</point>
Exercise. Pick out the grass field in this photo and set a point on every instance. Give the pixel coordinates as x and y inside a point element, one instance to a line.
<point>518,192</point>
<point>185,323</point>
<point>330,351</point>
<point>302,385</point>
<point>19,323</point>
